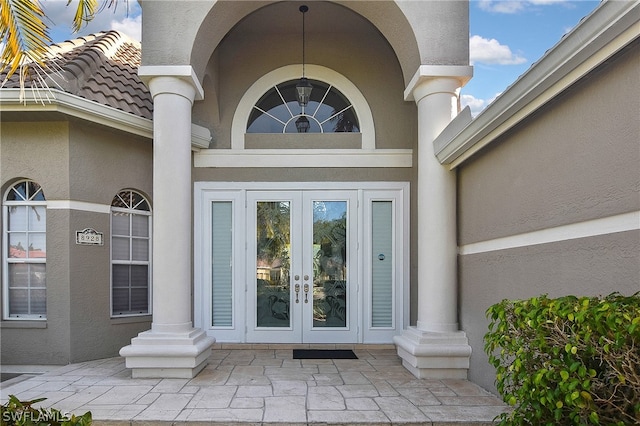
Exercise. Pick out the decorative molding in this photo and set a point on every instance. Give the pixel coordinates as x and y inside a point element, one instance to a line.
<point>78,205</point>
<point>183,72</point>
<point>349,158</point>
<point>590,228</point>
<point>435,73</point>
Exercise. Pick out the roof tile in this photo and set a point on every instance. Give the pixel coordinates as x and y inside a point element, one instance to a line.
<point>101,67</point>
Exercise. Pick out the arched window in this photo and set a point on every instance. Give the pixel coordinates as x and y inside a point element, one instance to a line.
<point>25,252</point>
<point>278,111</point>
<point>269,106</point>
<point>130,254</point>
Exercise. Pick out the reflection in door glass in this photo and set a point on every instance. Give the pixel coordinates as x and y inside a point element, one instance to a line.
<point>329,263</point>
<point>273,261</point>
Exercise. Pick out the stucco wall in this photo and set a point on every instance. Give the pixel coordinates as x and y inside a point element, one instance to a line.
<point>419,31</point>
<point>350,46</point>
<point>102,162</point>
<point>575,160</point>
<point>24,154</point>
<point>51,164</point>
<point>74,162</point>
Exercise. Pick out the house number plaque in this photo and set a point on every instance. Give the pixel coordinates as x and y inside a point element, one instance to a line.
<point>89,236</point>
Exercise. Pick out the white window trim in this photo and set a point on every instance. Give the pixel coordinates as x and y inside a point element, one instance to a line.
<point>148,262</point>
<point>5,256</point>
<point>292,72</point>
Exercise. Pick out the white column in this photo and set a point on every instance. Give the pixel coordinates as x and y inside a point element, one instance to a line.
<point>172,348</point>
<point>435,348</point>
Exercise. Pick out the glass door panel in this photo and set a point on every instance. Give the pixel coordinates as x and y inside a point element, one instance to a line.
<point>273,263</point>
<point>302,266</point>
<point>330,254</point>
<point>330,264</point>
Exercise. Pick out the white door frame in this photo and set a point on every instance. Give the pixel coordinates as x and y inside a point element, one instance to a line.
<point>236,193</point>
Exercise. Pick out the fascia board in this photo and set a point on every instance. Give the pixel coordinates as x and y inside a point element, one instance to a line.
<point>608,29</point>
<point>75,106</point>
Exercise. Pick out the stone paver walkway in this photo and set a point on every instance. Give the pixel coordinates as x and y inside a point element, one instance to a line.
<point>263,386</point>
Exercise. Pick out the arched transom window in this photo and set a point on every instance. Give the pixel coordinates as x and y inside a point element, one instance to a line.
<point>278,111</point>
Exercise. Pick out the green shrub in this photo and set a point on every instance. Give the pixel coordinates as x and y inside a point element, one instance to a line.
<point>568,360</point>
<point>21,413</point>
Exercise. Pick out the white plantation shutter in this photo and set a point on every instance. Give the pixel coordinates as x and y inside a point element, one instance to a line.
<point>221,264</point>
<point>382,264</point>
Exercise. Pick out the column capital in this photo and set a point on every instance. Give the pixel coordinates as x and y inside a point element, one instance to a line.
<point>178,79</point>
<point>430,79</point>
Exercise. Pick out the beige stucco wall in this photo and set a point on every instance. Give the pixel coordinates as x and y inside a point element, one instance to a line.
<point>102,162</point>
<point>351,46</point>
<point>419,31</point>
<point>354,48</point>
<point>39,151</point>
<point>576,159</point>
<point>50,167</point>
<point>77,162</point>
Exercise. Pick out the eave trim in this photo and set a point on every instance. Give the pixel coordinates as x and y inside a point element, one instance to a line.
<point>76,106</point>
<point>611,27</point>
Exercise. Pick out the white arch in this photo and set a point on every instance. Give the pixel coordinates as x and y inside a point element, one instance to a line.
<point>292,72</point>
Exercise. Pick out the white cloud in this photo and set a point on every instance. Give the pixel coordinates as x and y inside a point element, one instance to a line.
<point>490,51</point>
<point>129,26</point>
<point>475,104</point>
<point>515,6</point>
<point>501,6</point>
<point>124,16</point>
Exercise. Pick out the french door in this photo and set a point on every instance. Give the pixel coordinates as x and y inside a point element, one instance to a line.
<point>301,262</point>
<point>302,266</point>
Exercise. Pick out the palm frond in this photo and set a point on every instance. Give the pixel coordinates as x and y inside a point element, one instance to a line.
<point>24,42</point>
<point>24,37</point>
<point>85,12</point>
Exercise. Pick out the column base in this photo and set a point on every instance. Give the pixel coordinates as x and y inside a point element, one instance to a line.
<point>431,355</point>
<point>178,355</point>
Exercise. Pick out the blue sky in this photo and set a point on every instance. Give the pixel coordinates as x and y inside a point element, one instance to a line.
<point>506,37</point>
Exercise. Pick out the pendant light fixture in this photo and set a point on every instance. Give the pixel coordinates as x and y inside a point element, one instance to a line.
<point>303,88</point>
<point>302,124</point>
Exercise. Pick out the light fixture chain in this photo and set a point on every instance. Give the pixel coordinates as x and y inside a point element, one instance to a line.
<point>303,9</point>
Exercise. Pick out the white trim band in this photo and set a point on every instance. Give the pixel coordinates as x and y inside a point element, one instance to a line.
<point>303,158</point>
<point>78,205</point>
<point>590,228</point>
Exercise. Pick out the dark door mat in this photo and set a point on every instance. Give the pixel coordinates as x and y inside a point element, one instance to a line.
<point>323,354</point>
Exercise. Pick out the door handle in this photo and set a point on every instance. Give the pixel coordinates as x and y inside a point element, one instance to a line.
<point>297,287</point>
<point>306,293</point>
